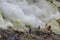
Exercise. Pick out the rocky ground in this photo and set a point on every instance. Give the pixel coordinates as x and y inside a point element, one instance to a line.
<point>11,34</point>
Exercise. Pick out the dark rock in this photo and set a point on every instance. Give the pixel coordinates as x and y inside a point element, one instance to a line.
<point>58,0</point>
<point>13,37</point>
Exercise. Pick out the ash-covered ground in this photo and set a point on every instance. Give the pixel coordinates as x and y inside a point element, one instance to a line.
<point>11,34</point>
